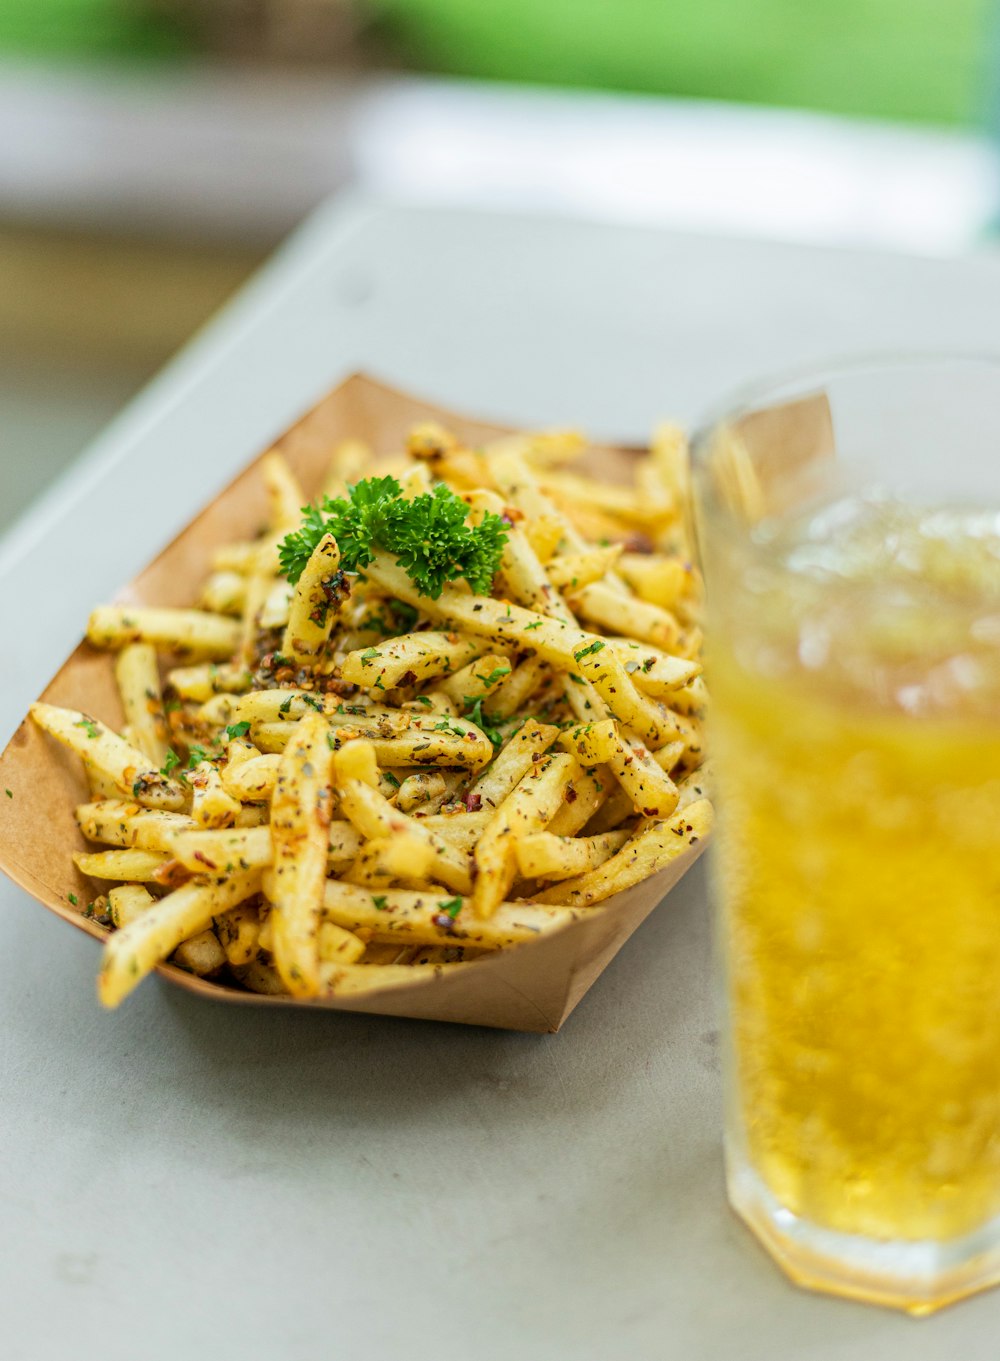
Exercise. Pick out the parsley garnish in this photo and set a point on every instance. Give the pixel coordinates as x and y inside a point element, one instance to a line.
<point>286,706</point>
<point>89,727</point>
<point>423,699</point>
<point>73,898</point>
<point>474,712</point>
<point>428,534</point>
<point>380,901</point>
<point>536,625</point>
<point>496,674</point>
<point>195,757</point>
<point>451,907</point>
<point>390,778</point>
<point>235,730</point>
<point>595,646</point>
<point>9,793</point>
<point>369,656</point>
<point>171,763</point>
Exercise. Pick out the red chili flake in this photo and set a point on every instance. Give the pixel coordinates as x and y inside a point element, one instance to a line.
<point>473,802</point>
<point>571,795</point>
<point>408,678</point>
<point>199,855</point>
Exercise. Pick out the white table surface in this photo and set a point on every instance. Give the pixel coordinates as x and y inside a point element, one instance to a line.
<point>184,1180</point>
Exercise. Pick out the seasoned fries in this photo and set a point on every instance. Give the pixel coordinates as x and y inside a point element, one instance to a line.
<point>442,714</point>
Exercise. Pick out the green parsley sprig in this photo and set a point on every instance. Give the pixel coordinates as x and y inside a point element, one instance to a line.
<point>428,535</point>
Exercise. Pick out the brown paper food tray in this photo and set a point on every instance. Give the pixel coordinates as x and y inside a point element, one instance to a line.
<point>532,987</point>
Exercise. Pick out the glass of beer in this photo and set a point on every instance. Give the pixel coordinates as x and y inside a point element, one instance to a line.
<point>849,525</point>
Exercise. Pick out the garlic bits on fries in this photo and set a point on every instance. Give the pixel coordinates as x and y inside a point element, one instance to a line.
<point>446,708</point>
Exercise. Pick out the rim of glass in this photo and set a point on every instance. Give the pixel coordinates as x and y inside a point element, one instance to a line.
<point>791,382</point>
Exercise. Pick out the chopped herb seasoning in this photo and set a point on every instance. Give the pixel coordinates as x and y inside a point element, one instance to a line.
<point>369,656</point>
<point>595,646</point>
<point>380,901</point>
<point>237,730</point>
<point>73,898</point>
<point>495,675</point>
<point>89,727</point>
<point>390,778</point>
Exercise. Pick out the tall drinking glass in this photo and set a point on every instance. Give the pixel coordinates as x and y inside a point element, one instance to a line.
<point>850,529</point>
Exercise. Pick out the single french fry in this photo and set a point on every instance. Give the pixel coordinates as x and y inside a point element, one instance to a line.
<point>129,865</point>
<point>211,805</point>
<point>238,931</point>
<point>660,578</point>
<point>542,855</point>
<point>656,845</point>
<point>276,606</point>
<point>238,557</point>
<point>691,700</point>
<point>530,807</point>
<point>426,918</point>
<point>616,809</point>
<point>511,693</point>
<point>138,678</point>
<point>134,951</point>
<point>461,830</point>
<point>387,860</point>
<point>409,659</point>
<point>584,796</point>
<point>697,785</point>
<point>206,679</point>
<point>569,571</point>
<point>101,786</point>
<point>421,790</point>
<point>478,679</point>
<point>300,832</point>
<point>511,764</point>
<point>200,954</point>
<point>118,823</point>
<point>283,492</point>
<point>318,598</point>
<point>189,633</point>
<point>545,534</point>
<point>128,901</point>
<point>129,768</point>
<point>654,672</point>
<point>224,592</point>
<point>252,780</point>
<point>223,850</point>
<point>606,607</point>
<point>337,945</point>
<point>262,978</point>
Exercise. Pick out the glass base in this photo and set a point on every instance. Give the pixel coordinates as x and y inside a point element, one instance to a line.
<point>919,1277</point>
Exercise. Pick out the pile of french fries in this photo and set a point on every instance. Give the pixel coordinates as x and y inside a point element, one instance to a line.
<point>345,785</point>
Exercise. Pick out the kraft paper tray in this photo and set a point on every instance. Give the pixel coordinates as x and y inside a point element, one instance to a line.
<point>531,987</point>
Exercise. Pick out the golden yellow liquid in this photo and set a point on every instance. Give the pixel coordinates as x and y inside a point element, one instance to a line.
<point>858,860</point>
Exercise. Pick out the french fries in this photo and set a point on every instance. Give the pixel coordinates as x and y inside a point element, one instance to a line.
<point>355,763</point>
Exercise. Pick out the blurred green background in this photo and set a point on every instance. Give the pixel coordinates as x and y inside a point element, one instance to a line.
<point>92,305</point>
<point>915,60</point>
